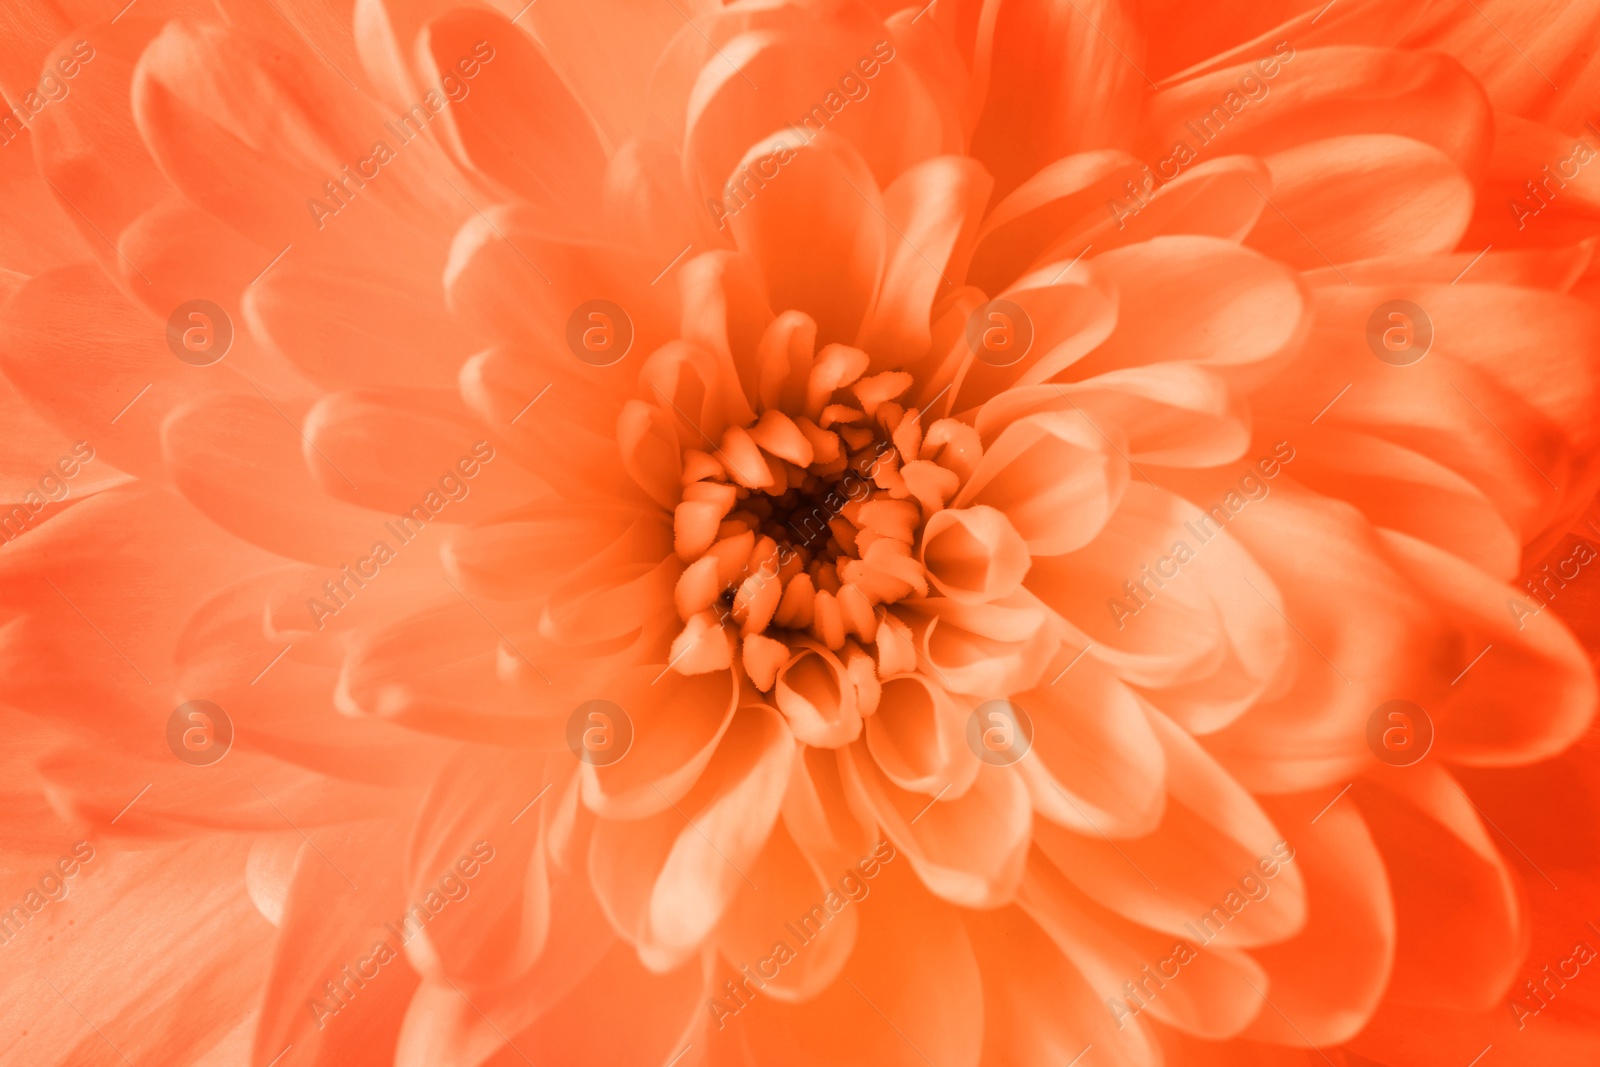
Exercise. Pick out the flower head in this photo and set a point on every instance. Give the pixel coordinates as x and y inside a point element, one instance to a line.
<point>804,532</point>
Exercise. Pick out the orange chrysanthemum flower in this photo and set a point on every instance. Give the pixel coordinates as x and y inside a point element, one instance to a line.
<point>800,532</point>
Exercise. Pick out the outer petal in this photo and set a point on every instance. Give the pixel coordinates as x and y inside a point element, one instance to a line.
<point>1212,834</point>
<point>688,884</point>
<point>788,67</point>
<point>326,928</point>
<point>1164,598</point>
<point>933,211</point>
<point>1544,75</point>
<point>1052,81</point>
<point>1329,978</point>
<point>1455,898</point>
<point>1359,197</point>
<point>1293,93</point>
<point>1542,665</point>
<point>1038,1008</point>
<point>818,233</point>
<point>83,379</point>
<point>1202,300</point>
<point>910,994</point>
<point>180,918</point>
<point>677,729</point>
<point>1094,766</point>
<point>791,883</point>
<point>1217,1000</point>
<point>968,849</point>
<point>520,125</point>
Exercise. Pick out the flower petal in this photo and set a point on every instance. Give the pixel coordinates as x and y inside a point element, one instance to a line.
<point>1170,414</point>
<point>1052,83</point>
<point>1053,476</point>
<point>911,990</point>
<point>331,932</point>
<point>1195,638</point>
<point>969,848</point>
<point>1460,920</point>
<point>520,125</point>
<point>666,886</point>
<point>973,555</point>
<point>1536,659</point>
<point>238,459</point>
<point>1362,196</point>
<point>1037,1007</point>
<point>1051,201</point>
<point>1330,977</point>
<point>1227,308</point>
<point>817,230</point>
<point>1219,992</point>
<point>1212,834</point>
<point>678,724</point>
<point>933,210</point>
<point>1309,93</point>
<point>83,379</point>
<point>1094,765</point>
<point>790,883</point>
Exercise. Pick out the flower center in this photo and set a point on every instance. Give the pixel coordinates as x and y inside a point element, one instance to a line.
<point>810,518</point>
<point>802,525</point>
